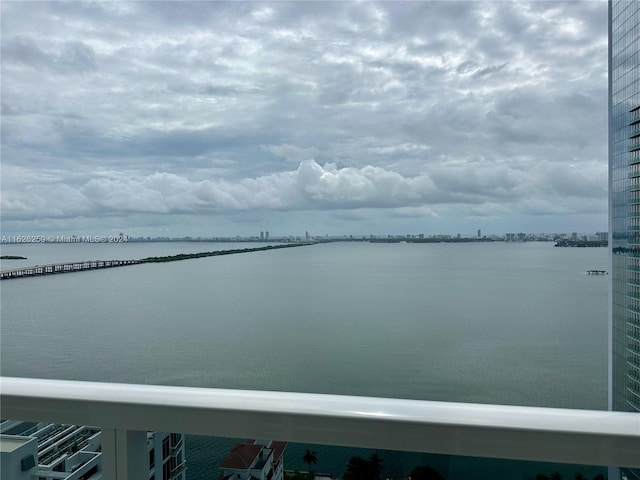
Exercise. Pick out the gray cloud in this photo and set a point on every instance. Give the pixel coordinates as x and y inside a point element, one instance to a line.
<point>291,153</point>
<point>311,186</point>
<point>445,110</point>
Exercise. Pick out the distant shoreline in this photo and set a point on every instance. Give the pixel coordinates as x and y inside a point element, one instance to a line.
<point>430,240</point>
<point>582,243</point>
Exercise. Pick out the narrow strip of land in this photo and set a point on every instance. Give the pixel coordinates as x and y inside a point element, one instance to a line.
<point>68,267</point>
<point>187,256</point>
<point>582,243</point>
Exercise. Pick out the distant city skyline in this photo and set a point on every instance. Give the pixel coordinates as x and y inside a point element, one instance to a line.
<point>261,237</point>
<point>212,118</point>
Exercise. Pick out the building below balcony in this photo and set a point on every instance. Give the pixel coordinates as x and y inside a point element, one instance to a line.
<point>254,460</point>
<point>49,451</point>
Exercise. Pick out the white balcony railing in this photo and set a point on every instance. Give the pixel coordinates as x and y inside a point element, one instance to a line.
<point>125,412</point>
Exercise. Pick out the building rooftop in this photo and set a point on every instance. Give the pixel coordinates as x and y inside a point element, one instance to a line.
<point>9,443</point>
<point>278,448</point>
<point>242,456</point>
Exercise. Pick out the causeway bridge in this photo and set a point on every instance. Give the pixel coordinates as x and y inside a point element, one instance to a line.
<point>64,268</point>
<point>97,264</point>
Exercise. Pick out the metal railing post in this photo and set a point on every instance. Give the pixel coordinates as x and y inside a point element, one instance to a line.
<point>124,454</point>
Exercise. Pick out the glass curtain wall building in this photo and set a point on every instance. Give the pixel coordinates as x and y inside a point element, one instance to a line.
<point>624,207</point>
<point>624,180</point>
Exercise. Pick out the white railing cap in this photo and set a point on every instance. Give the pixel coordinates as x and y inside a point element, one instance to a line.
<point>528,433</point>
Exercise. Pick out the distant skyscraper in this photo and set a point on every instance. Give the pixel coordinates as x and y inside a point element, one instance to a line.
<point>479,233</point>
<point>261,235</point>
<point>624,208</point>
<point>266,235</point>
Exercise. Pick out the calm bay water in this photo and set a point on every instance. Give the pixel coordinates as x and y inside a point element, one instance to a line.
<point>504,323</point>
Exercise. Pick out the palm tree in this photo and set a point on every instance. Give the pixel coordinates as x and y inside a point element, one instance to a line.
<point>360,469</point>
<point>310,458</point>
<point>425,472</point>
<point>375,463</point>
<point>357,469</point>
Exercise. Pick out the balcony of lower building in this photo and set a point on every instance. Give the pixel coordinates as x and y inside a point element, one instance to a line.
<point>634,406</point>
<point>178,471</point>
<point>634,131</point>
<point>633,322</point>
<point>634,391</point>
<point>634,239</point>
<point>633,336</point>
<point>176,445</point>
<point>634,350</point>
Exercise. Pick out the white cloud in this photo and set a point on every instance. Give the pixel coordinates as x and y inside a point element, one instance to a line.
<point>417,212</point>
<point>291,153</point>
<point>310,187</point>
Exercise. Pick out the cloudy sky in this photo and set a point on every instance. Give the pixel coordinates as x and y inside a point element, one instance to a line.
<point>210,118</point>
